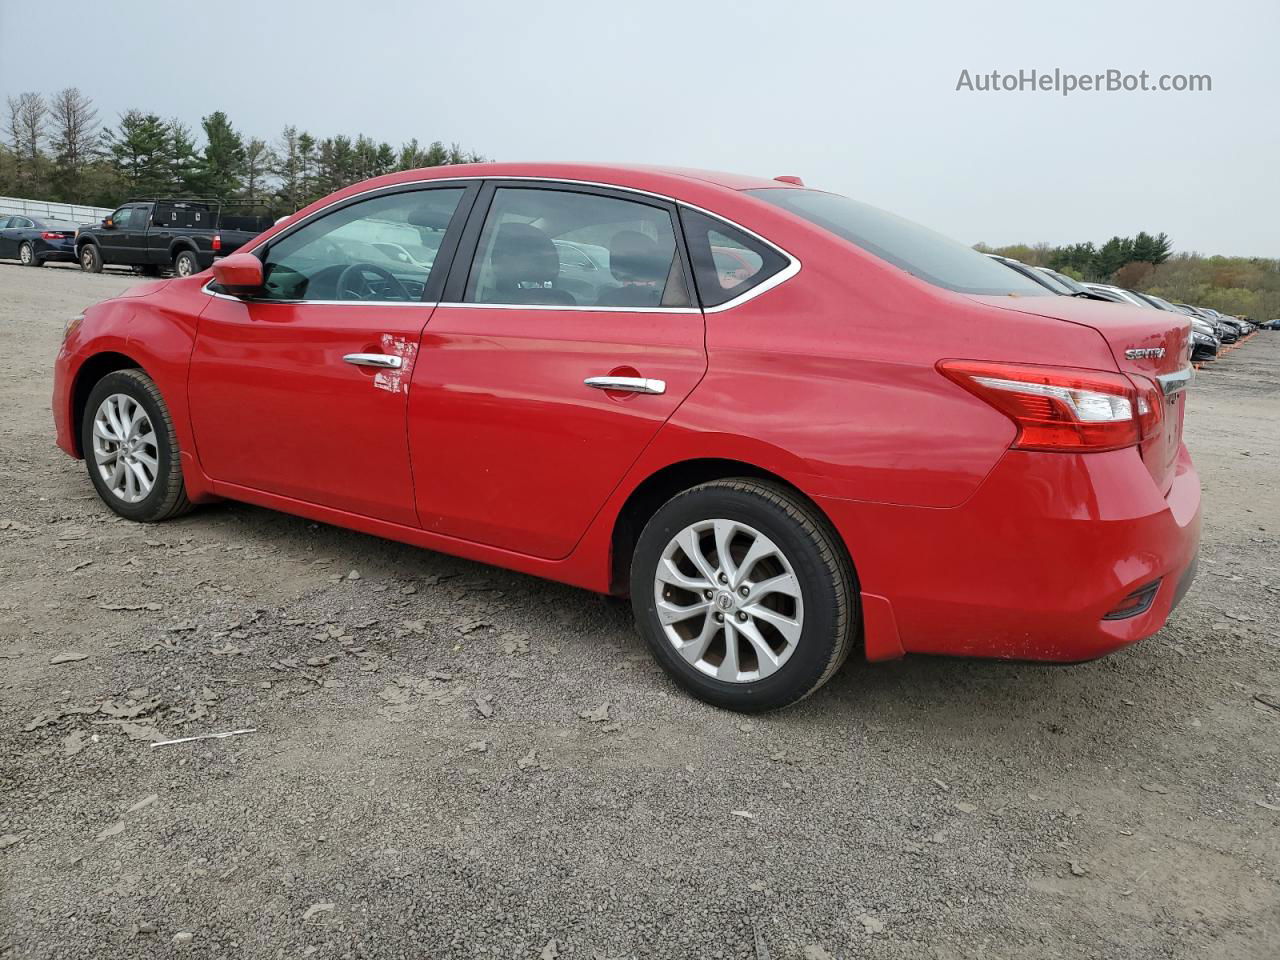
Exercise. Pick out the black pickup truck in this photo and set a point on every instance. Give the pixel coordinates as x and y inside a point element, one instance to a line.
<point>179,235</point>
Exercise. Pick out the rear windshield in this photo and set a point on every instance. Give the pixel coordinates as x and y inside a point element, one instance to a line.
<point>918,250</point>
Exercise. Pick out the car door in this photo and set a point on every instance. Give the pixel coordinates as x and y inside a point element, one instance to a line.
<point>300,391</point>
<point>112,240</point>
<point>20,228</point>
<point>529,401</point>
<point>8,242</point>
<point>132,239</point>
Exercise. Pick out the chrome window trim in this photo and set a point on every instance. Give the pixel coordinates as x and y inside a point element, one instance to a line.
<point>566,307</point>
<point>331,303</point>
<point>783,275</point>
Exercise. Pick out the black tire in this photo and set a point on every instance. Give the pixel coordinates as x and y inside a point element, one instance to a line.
<point>168,496</point>
<point>828,589</point>
<point>185,263</point>
<point>27,255</point>
<point>90,258</point>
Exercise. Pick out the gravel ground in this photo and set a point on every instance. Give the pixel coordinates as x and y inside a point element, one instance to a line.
<point>456,761</point>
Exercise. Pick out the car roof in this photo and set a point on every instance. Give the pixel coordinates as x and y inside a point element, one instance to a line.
<point>638,177</point>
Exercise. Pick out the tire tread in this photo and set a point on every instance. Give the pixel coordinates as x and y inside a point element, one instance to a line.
<point>174,502</point>
<point>822,534</point>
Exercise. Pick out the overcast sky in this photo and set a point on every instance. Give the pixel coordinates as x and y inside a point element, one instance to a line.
<point>856,98</point>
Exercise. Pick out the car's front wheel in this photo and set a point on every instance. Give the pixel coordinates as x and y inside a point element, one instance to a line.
<point>90,258</point>
<point>131,448</point>
<point>744,594</point>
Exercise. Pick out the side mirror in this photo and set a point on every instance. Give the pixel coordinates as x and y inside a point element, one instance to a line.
<point>239,275</point>
<point>108,223</point>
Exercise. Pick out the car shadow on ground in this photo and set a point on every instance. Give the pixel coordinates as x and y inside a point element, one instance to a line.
<point>954,697</point>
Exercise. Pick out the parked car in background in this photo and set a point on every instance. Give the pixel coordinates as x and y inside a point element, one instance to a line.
<point>780,464</point>
<point>1112,294</point>
<point>1077,288</point>
<point>34,241</point>
<point>184,236</point>
<point>1117,294</point>
<point>1049,282</point>
<point>1204,336</point>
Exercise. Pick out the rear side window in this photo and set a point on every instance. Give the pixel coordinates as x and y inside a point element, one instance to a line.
<point>726,262</point>
<point>918,250</point>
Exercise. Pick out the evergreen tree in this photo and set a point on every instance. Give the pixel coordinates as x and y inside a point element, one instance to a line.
<point>183,161</point>
<point>140,151</point>
<point>307,189</point>
<point>1112,255</point>
<point>222,166</point>
<point>288,168</point>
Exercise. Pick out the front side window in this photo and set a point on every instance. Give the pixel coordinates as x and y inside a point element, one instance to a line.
<point>122,217</point>
<point>544,247</point>
<point>726,262</point>
<point>919,251</point>
<point>377,250</point>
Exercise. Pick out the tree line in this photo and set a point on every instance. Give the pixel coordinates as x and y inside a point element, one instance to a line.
<point>1238,286</point>
<point>55,148</point>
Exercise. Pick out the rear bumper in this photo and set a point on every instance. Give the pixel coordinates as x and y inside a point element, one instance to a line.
<point>56,250</point>
<point>1029,567</point>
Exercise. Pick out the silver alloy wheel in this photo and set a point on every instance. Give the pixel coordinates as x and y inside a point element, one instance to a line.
<point>183,266</point>
<point>124,448</point>
<point>86,256</point>
<point>25,254</point>
<point>728,600</point>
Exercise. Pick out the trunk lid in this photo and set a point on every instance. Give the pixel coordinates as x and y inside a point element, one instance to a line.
<point>1152,346</point>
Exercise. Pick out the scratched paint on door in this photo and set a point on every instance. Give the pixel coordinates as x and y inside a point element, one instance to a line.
<point>396,380</point>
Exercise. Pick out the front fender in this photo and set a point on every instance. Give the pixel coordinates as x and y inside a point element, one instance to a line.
<point>152,330</point>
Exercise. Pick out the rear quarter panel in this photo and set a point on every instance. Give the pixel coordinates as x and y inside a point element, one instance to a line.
<point>834,372</point>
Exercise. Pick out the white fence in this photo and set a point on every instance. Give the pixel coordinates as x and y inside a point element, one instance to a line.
<point>69,212</point>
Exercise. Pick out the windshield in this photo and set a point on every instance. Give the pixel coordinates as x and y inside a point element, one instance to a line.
<point>918,250</point>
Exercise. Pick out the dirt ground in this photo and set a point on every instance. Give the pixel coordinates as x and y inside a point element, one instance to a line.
<point>456,761</point>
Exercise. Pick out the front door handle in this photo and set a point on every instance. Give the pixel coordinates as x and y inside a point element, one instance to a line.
<point>627,384</point>
<point>384,360</point>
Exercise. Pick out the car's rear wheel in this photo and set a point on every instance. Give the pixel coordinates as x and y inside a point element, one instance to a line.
<point>744,594</point>
<point>185,264</point>
<point>90,258</point>
<point>27,255</point>
<point>131,449</point>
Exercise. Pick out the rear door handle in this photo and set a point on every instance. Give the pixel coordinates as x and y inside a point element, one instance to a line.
<point>383,360</point>
<point>627,384</point>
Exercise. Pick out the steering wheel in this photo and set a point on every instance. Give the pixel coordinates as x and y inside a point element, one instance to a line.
<point>354,283</point>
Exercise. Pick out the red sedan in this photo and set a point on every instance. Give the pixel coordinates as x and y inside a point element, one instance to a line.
<point>789,425</point>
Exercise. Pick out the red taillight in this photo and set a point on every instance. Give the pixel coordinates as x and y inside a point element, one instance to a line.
<point>53,236</point>
<point>1059,408</point>
<point>1150,407</point>
<point>217,241</point>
